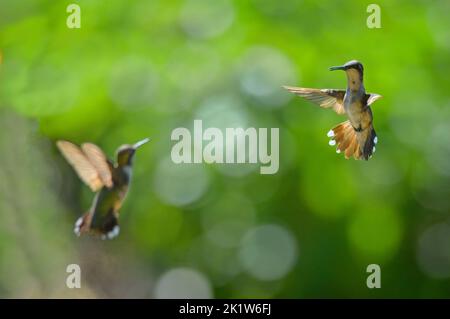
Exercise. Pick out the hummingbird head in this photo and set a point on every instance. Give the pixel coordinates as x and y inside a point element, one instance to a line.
<point>354,70</point>
<point>353,64</point>
<point>125,153</point>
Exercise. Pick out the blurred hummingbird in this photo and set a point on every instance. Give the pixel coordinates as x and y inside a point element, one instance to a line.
<point>355,137</point>
<point>110,182</point>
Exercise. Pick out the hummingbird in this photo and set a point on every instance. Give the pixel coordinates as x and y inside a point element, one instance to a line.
<point>110,181</point>
<point>355,137</point>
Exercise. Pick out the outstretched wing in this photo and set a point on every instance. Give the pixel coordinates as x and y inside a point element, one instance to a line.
<point>84,168</point>
<point>372,97</point>
<point>326,98</point>
<point>100,162</point>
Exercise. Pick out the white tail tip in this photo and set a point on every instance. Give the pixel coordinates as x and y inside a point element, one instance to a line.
<point>375,140</point>
<point>332,142</point>
<point>330,133</point>
<point>112,233</point>
<point>77,228</point>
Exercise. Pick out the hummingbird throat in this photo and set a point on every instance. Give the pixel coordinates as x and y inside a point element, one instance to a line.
<point>354,79</point>
<point>232,146</point>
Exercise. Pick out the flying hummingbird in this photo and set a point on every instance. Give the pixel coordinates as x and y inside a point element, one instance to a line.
<point>355,137</point>
<point>110,182</point>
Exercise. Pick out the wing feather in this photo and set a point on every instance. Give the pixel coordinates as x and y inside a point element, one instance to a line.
<point>326,98</point>
<point>83,167</point>
<point>99,160</point>
<point>372,97</point>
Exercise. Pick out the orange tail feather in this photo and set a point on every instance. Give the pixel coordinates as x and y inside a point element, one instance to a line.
<point>359,145</point>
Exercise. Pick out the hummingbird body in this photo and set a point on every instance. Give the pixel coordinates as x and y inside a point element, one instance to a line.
<point>110,181</point>
<point>355,137</point>
<point>104,212</point>
<point>358,113</point>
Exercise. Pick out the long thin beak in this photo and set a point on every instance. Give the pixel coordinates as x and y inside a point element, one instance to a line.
<point>140,143</point>
<point>334,68</point>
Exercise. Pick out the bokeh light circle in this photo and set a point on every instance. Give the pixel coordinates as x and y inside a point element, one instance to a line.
<point>429,188</point>
<point>205,18</point>
<point>262,73</point>
<point>439,23</point>
<point>227,111</point>
<point>182,283</point>
<point>268,252</point>
<point>228,219</point>
<point>433,251</point>
<point>180,184</point>
<point>439,148</point>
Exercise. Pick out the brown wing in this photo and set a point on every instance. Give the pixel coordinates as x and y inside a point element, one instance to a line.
<point>99,161</point>
<point>84,168</point>
<point>372,97</point>
<point>326,98</point>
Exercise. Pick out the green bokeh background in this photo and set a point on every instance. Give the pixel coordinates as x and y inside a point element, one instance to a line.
<point>143,68</point>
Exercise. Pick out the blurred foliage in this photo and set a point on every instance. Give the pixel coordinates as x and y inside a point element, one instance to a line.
<point>143,68</point>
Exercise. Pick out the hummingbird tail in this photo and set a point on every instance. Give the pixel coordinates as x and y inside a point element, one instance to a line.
<point>109,227</point>
<point>369,140</point>
<point>107,230</point>
<point>82,224</point>
<point>360,145</point>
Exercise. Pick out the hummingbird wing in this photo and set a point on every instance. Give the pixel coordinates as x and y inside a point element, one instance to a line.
<point>101,163</point>
<point>84,168</point>
<point>372,97</point>
<point>326,98</point>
